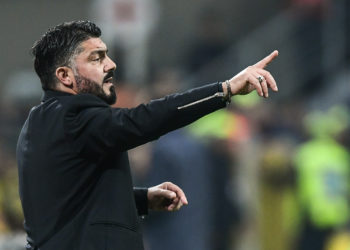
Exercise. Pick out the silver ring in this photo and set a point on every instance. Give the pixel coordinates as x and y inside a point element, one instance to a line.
<point>261,79</point>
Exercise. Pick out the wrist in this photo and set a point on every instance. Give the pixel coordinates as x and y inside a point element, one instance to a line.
<point>227,91</point>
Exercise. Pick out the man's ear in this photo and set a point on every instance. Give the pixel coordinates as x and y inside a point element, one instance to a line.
<point>65,76</point>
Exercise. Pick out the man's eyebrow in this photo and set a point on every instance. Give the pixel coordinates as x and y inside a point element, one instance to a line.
<point>99,52</point>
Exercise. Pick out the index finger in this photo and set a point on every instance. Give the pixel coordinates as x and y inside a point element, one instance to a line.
<point>264,62</point>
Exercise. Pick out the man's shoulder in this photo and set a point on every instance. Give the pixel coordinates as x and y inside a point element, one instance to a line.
<point>60,105</point>
<point>81,105</point>
<point>69,101</point>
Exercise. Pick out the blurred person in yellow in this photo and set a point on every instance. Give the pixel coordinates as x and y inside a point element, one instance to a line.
<point>323,172</point>
<point>74,175</point>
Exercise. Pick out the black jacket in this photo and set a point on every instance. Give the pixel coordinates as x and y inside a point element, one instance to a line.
<point>74,175</point>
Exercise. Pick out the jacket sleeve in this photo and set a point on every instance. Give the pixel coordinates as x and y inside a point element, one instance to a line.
<point>99,128</point>
<point>141,200</point>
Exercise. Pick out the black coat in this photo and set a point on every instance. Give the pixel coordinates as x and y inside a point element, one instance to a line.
<point>74,175</point>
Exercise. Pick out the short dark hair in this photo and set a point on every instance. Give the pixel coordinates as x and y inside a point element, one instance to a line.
<point>57,47</point>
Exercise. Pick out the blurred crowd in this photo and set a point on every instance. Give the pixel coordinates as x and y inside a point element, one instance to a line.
<point>269,174</point>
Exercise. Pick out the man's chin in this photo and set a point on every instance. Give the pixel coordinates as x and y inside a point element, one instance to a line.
<point>111,97</point>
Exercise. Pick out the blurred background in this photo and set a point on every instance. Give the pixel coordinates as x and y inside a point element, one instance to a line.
<point>263,174</point>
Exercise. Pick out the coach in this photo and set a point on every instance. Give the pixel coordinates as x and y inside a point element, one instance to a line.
<point>75,183</point>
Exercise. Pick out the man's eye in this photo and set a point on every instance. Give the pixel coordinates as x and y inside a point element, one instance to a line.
<point>96,59</point>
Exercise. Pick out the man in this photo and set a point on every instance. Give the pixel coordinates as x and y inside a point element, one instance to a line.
<point>75,183</point>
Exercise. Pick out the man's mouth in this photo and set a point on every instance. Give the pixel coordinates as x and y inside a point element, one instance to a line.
<point>108,80</point>
<point>109,77</point>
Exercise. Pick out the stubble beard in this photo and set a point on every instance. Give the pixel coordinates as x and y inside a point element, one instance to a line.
<point>85,85</point>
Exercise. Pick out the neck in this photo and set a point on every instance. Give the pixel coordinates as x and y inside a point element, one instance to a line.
<point>63,88</point>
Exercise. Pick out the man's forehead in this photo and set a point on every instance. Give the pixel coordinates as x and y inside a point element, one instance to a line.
<point>93,44</point>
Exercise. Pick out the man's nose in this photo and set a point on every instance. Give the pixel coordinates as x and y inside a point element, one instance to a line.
<point>110,65</point>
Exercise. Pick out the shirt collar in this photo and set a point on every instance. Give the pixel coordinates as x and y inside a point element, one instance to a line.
<point>53,93</point>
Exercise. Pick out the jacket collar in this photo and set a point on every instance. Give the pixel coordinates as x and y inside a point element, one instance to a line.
<point>53,93</point>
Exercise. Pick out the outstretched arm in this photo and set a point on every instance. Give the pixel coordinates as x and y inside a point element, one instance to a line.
<point>97,128</point>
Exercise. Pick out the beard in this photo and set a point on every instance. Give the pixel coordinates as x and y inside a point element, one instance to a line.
<point>88,86</point>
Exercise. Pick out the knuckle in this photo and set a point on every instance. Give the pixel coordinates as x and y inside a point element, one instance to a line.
<point>250,68</point>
